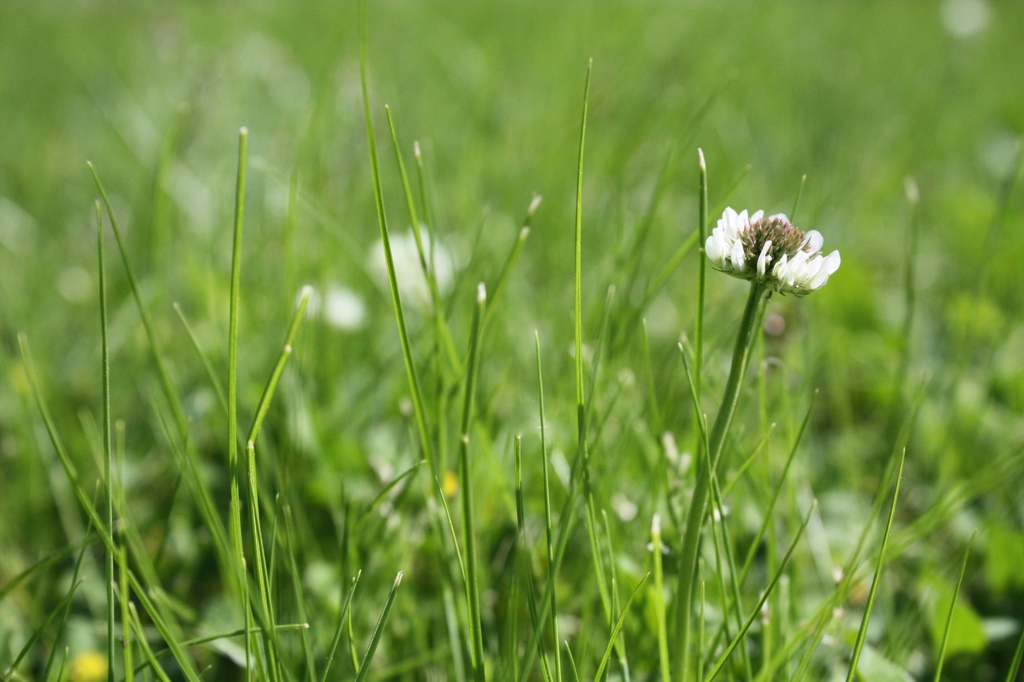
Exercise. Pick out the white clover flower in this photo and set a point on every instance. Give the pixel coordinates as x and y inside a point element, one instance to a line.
<point>770,251</point>
<point>412,284</point>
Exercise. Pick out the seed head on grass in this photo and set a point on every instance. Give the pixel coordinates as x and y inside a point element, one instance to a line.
<point>771,251</point>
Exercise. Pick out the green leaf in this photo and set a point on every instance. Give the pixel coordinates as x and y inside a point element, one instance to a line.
<point>875,667</point>
<point>966,631</point>
<point>1004,557</point>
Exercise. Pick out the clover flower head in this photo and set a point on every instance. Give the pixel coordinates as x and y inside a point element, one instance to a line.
<point>771,251</point>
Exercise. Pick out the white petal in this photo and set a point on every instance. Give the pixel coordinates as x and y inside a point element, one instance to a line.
<point>813,242</point>
<point>716,248</point>
<point>738,258</point>
<point>832,262</point>
<point>763,259</point>
<point>828,265</point>
<point>729,223</point>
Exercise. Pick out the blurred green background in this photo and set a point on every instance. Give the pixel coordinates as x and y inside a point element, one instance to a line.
<point>858,97</point>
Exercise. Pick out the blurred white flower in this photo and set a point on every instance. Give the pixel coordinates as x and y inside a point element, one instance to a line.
<point>770,251</point>
<point>340,307</point>
<point>964,18</point>
<point>624,507</point>
<point>412,284</point>
<point>343,308</point>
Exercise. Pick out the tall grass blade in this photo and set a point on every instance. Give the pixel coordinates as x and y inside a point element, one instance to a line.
<point>378,194</point>
<point>166,384</point>
<point>659,600</point>
<point>340,630</point>
<point>863,632</point>
<point>466,490</point>
<point>702,233</point>
<point>581,405</point>
<point>617,628</point>
<point>952,605</point>
<point>147,651</point>
<point>378,630</point>
<point>549,540</point>
<point>705,471</point>
<point>524,552</point>
<point>282,360</point>
<point>234,468</point>
<point>64,616</point>
<point>426,265</point>
<point>215,381</point>
<point>36,569</point>
<point>513,257</point>
<point>108,451</point>
<point>764,597</point>
<point>61,608</point>
<point>1018,657</point>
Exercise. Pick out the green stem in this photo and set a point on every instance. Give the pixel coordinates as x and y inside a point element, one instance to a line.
<point>706,467</point>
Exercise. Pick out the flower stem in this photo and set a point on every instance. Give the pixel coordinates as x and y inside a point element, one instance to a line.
<point>705,469</point>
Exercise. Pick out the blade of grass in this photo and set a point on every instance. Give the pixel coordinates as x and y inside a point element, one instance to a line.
<point>378,194</point>
<point>297,593</point>
<point>952,604</point>
<point>816,625</point>
<point>61,608</point>
<point>108,451</point>
<point>618,627</point>
<point>147,322</point>
<point>267,629</point>
<point>444,335</point>
<point>900,380</point>
<point>206,639</point>
<point>549,540</point>
<point>466,490</point>
<point>572,663</point>
<point>282,360</point>
<point>166,626</point>
<point>517,454</point>
<point>147,652</point>
<point>698,325</point>
<point>382,495</point>
<point>1018,656</point>
<point>736,602</point>
<point>513,257</point>
<point>234,468</point>
<point>378,630</point>
<point>567,516</point>
<point>40,566</point>
<point>764,597</point>
<point>218,388</point>
<point>863,632</point>
<point>706,467</point>
<point>767,515</point>
<point>581,405</point>
<point>796,201</point>
<point>659,600</point>
<point>271,643</point>
<point>620,638</point>
<point>213,521</point>
<point>339,631</point>
<point>67,607</point>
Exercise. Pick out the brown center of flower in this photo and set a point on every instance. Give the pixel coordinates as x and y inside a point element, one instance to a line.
<point>785,238</point>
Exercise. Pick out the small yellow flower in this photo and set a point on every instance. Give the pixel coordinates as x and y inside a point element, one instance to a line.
<point>88,666</point>
<point>450,487</point>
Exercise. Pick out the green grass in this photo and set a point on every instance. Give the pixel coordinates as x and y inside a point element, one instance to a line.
<point>501,438</point>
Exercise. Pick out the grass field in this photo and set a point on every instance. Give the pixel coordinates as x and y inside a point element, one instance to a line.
<point>478,487</point>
